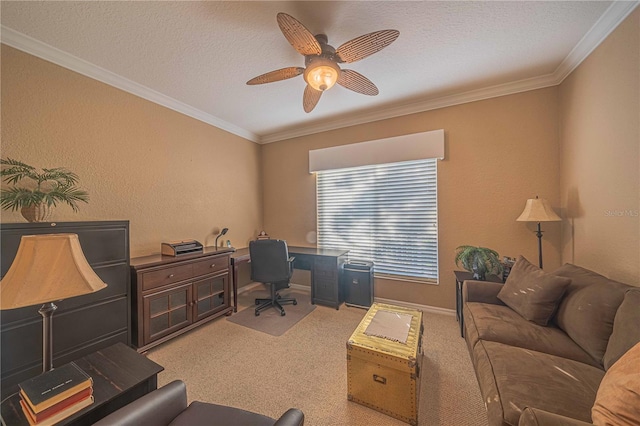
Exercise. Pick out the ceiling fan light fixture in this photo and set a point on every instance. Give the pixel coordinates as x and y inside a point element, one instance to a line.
<point>321,74</point>
<point>321,60</point>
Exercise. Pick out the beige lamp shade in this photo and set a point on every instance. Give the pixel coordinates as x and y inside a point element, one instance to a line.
<point>538,210</point>
<point>47,268</point>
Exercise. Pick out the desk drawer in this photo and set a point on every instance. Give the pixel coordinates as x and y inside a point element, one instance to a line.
<point>325,269</point>
<point>211,265</point>
<point>166,276</point>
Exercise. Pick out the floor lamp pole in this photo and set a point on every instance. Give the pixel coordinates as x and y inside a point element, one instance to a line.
<point>47,311</point>
<point>539,234</point>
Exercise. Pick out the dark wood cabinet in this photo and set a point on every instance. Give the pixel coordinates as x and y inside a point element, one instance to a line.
<point>81,325</point>
<point>175,294</point>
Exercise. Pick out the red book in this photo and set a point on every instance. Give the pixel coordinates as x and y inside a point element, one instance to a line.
<point>54,409</point>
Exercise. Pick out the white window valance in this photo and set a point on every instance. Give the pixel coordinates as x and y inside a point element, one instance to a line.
<point>415,146</point>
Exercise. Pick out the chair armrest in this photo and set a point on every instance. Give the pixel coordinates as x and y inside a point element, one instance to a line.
<point>291,260</point>
<point>293,417</point>
<point>481,291</point>
<point>159,407</point>
<point>536,417</point>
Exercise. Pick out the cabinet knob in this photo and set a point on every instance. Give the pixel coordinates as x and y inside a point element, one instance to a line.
<point>171,275</point>
<point>213,265</point>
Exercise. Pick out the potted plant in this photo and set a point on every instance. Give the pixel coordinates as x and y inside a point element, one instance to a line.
<point>44,190</point>
<point>480,261</point>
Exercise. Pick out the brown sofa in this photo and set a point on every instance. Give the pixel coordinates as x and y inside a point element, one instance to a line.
<point>549,374</point>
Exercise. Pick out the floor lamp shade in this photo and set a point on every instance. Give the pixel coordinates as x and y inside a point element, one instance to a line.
<point>47,268</point>
<point>538,210</point>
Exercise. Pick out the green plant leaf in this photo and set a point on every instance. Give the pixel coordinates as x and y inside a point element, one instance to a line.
<point>52,186</point>
<point>485,260</point>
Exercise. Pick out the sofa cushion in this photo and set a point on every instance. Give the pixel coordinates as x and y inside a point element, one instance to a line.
<point>618,398</point>
<point>626,328</point>
<point>499,323</point>
<point>512,379</point>
<point>531,292</point>
<point>202,413</point>
<point>587,311</point>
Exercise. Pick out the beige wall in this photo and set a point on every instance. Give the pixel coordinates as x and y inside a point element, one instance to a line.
<point>174,177</point>
<point>499,152</point>
<point>600,140</point>
<point>171,176</point>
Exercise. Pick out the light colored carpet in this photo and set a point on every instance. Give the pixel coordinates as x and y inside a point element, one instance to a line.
<point>270,321</point>
<point>229,364</point>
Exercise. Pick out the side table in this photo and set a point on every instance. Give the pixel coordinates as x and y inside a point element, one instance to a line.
<point>461,276</point>
<point>120,376</point>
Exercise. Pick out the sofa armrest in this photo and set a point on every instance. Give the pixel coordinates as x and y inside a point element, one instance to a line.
<point>535,417</point>
<point>293,417</point>
<point>159,407</point>
<point>481,291</point>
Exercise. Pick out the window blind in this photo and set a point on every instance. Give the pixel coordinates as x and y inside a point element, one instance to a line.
<point>386,213</point>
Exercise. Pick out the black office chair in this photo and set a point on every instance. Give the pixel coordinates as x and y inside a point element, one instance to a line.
<point>271,265</point>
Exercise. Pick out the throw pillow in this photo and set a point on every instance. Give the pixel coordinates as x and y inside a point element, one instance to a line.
<point>618,398</point>
<point>626,328</point>
<point>588,308</point>
<point>531,292</point>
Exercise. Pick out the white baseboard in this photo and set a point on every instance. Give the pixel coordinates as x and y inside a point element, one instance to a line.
<point>251,286</point>
<point>301,287</point>
<point>423,308</point>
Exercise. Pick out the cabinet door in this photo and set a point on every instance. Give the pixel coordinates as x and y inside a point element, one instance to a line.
<point>211,295</point>
<point>167,311</point>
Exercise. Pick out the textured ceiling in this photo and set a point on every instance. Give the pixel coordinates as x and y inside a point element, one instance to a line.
<point>200,54</point>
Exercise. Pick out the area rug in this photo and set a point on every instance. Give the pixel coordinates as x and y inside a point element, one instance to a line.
<point>270,321</point>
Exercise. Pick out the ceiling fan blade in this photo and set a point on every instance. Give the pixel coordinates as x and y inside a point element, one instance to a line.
<point>357,82</point>
<point>277,75</point>
<point>310,98</point>
<point>298,35</point>
<point>365,45</point>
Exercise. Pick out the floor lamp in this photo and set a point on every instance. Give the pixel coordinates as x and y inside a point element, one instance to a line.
<point>538,210</point>
<point>47,268</point>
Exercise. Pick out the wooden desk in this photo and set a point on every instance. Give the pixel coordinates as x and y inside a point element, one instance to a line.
<point>120,375</point>
<point>325,266</point>
<point>461,277</point>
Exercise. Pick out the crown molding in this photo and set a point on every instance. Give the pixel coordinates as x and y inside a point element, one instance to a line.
<point>416,107</point>
<point>49,53</point>
<point>609,21</point>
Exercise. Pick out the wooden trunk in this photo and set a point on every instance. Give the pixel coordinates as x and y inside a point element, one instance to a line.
<point>384,374</point>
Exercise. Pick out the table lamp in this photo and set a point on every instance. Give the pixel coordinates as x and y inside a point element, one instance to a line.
<point>47,268</point>
<point>223,232</point>
<point>538,210</point>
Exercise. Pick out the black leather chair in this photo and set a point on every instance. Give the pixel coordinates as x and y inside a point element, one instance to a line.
<point>271,265</point>
<point>168,406</point>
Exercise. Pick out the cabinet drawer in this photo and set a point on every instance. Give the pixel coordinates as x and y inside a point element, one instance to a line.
<point>166,276</point>
<point>213,264</point>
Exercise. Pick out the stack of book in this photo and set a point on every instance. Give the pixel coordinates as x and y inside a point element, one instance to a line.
<point>55,395</point>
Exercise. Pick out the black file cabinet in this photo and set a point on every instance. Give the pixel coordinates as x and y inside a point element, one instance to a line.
<point>358,283</point>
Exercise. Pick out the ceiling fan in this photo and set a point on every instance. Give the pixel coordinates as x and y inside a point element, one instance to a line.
<point>321,70</point>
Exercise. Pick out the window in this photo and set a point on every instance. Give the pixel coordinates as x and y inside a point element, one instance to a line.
<point>386,213</point>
